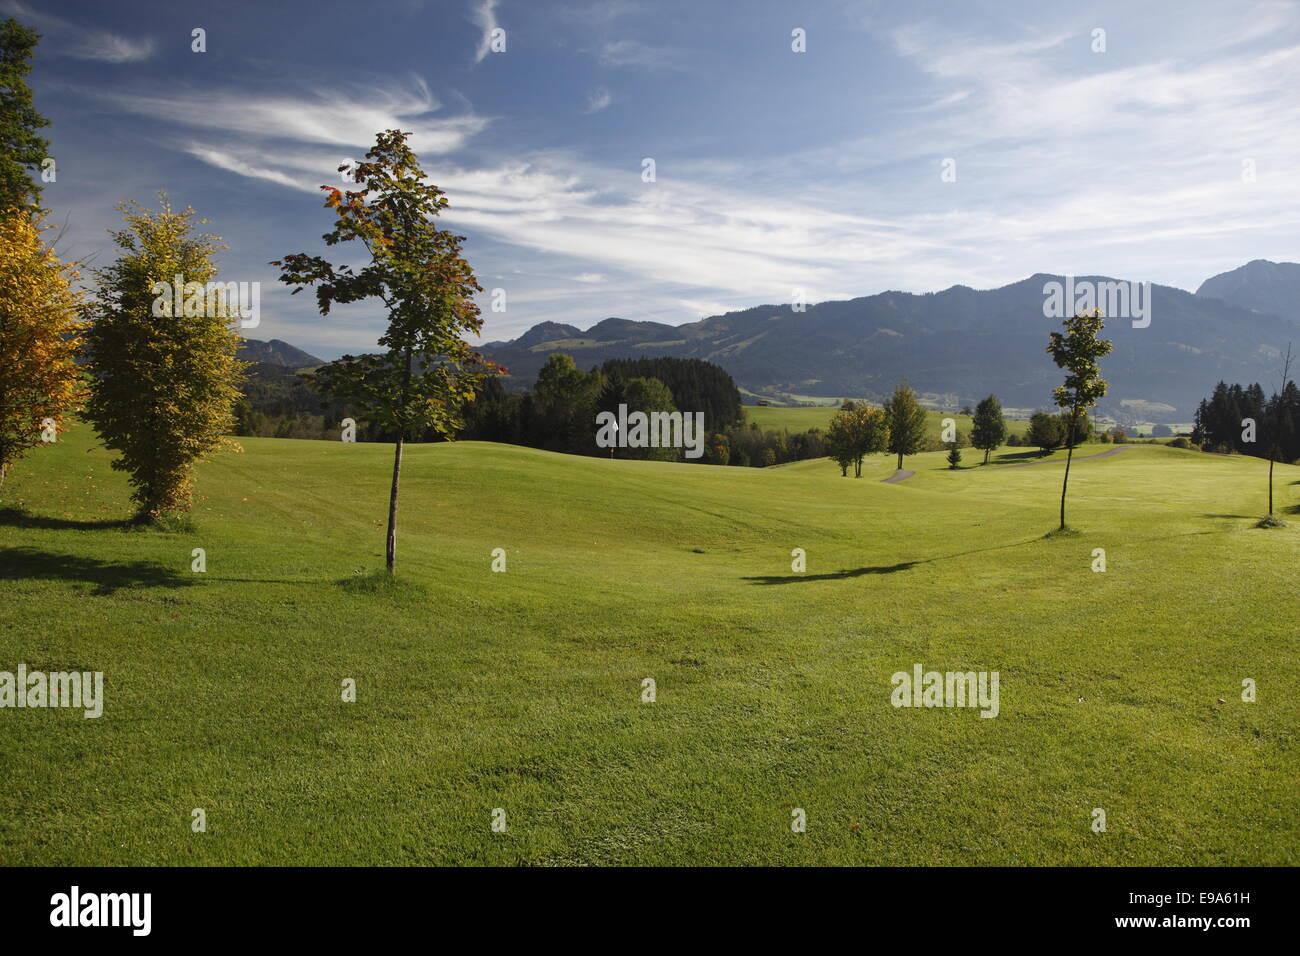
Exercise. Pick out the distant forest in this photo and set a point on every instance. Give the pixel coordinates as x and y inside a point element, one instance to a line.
<point>1223,422</point>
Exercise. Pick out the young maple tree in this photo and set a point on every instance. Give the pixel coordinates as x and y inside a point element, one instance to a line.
<point>1078,350</point>
<point>40,315</point>
<point>416,269</point>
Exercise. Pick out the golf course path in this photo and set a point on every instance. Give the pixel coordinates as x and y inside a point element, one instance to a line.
<point>1104,454</point>
<point>901,475</point>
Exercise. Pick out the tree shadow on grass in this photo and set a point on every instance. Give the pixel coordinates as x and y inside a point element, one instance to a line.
<point>22,518</point>
<point>23,564</point>
<point>877,569</point>
<point>832,576</point>
<point>1011,457</point>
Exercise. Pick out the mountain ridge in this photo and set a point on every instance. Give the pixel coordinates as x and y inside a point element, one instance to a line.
<point>960,343</point>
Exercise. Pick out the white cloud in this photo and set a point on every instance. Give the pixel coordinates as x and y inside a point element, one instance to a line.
<point>83,43</point>
<point>347,118</point>
<point>633,53</point>
<point>598,99</point>
<point>485,15</point>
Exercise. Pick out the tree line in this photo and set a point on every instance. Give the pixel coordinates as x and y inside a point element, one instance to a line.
<point>1245,421</point>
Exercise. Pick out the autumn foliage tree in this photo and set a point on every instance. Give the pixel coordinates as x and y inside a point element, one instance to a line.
<point>165,378</point>
<point>416,270</point>
<point>40,316</point>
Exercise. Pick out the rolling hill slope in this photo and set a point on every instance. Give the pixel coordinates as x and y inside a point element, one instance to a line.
<point>522,690</point>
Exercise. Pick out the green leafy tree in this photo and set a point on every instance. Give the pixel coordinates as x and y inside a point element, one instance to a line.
<point>989,428</point>
<point>649,395</point>
<point>1079,424</point>
<point>565,399</point>
<point>906,420</point>
<point>164,377</point>
<point>428,371</point>
<point>20,148</point>
<point>1078,350</point>
<point>839,440</point>
<point>1046,432</point>
<point>954,456</point>
<point>856,430</point>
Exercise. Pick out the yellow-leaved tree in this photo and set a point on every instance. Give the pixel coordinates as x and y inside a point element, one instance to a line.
<point>40,316</point>
<point>162,348</point>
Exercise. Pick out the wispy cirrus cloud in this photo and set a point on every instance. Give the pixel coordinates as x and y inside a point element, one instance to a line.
<point>82,42</point>
<point>485,15</point>
<point>345,117</point>
<point>634,53</point>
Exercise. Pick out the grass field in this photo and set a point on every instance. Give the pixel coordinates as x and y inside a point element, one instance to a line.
<point>802,418</point>
<point>522,690</point>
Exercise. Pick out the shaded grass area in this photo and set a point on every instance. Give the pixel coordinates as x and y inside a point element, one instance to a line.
<point>522,690</point>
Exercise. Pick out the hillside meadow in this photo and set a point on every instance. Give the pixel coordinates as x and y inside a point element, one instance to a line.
<point>522,690</point>
<point>802,418</point>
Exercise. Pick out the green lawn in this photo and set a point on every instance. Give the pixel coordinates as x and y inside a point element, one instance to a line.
<point>522,690</point>
<point>802,418</point>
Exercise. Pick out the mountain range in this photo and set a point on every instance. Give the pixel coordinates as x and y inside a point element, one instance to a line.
<point>276,352</point>
<point>958,345</point>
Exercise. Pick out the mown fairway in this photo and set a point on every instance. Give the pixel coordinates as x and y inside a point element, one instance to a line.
<point>479,690</point>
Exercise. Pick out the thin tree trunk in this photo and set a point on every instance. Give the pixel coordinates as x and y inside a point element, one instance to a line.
<point>1069,456</point>
<point>986,455</point>
<point>392,507</point>
<point>391,552</point>
<point>1272,455</point>
<point>900,461</point>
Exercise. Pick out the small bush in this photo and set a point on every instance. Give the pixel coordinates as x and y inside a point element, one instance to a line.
<point>1179,443</point>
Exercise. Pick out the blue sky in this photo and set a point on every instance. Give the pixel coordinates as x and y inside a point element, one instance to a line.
<point>776,171</point>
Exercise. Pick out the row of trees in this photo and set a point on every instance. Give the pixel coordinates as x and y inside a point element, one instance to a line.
<point>1245,421</point>
<point>858,430</point>
<point>899,427</point>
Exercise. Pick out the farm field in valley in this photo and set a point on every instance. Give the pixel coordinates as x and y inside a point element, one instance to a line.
<point>802,418</point>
